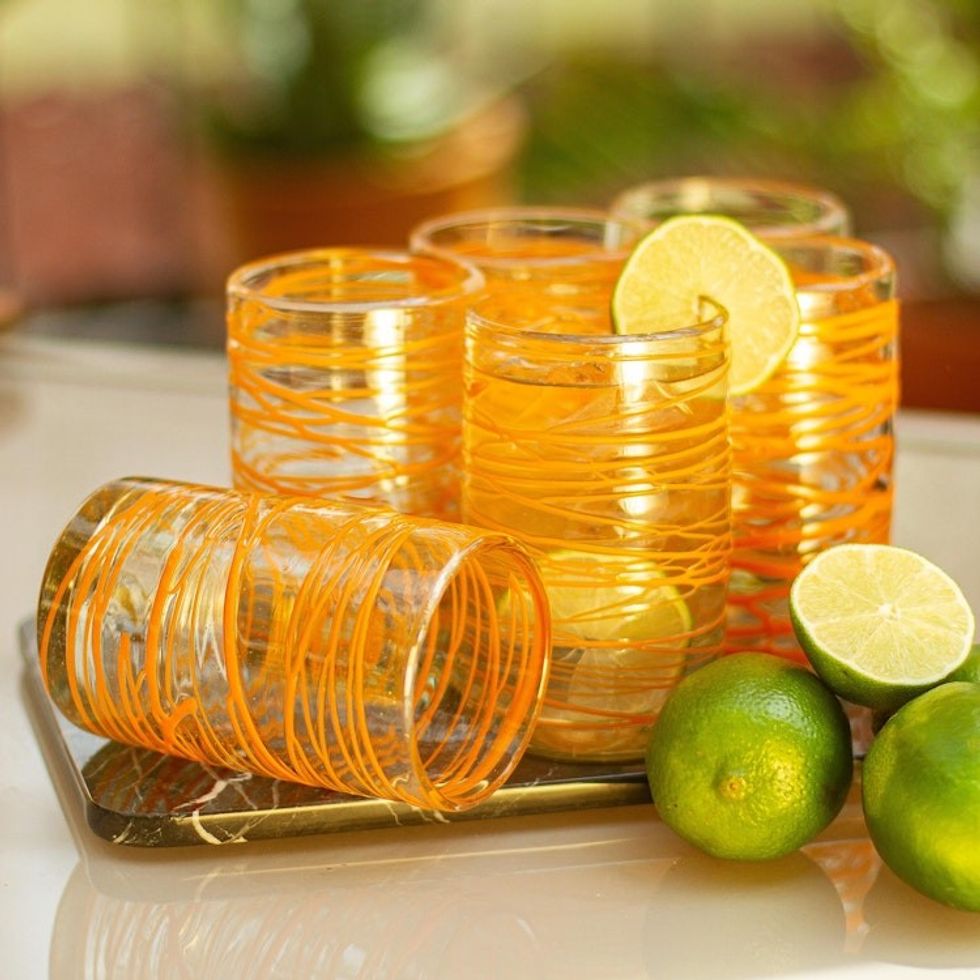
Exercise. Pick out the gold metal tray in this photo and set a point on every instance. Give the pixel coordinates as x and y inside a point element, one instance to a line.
<point>141,798</point>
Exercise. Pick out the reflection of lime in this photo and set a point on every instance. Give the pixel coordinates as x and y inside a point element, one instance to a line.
<point>602,598</point>
<point>922,794</point>
<point>908,928</point>
<point>691,257</point>
<point>880,624</point>
<point>750,758</point>
<point>713,919</point>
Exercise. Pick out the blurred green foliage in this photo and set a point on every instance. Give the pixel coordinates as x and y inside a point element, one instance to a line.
<point>883,105</point>
<point>885,110</point>
<point>300,71</point>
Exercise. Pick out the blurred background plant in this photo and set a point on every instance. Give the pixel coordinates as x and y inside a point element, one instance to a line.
<point>148,145</point>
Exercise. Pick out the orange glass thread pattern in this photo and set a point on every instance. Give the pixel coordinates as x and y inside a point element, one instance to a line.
<point>328,644</point>
<point>344,372</point>
<point>609,458</point>
<point>813,454</point>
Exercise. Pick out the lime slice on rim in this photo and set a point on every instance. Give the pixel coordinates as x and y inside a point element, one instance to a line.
<point>880,624</point>
<point>692,257</point>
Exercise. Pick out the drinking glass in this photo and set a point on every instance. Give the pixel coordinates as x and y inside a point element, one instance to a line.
<point>608,456</point>
<point>329,643</point>
<point>536,254</point>
<point>771,209</point>
<point>813,445</point>
<point>344,370</point>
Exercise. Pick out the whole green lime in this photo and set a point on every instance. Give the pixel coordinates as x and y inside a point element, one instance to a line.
<point>750,758</point>
<point>922,794</point>
<point>969,670</point>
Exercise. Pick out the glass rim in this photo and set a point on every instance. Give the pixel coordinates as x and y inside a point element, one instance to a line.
<point>421,236</point>
<point>832,211</point>
<point>703,322</point>
<point>879,265</point>
<point>481,542</point>
<point>241,282</point>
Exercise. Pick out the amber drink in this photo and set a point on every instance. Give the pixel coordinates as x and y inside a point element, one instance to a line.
<point>608,456</point>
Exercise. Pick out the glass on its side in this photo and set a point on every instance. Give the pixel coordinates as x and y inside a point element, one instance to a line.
<point>344,375</point>
<point>771,209</point>
<point>333,644</point>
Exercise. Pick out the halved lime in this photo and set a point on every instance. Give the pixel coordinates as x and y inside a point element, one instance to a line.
<point>880,624</point>
<point>692,257</point>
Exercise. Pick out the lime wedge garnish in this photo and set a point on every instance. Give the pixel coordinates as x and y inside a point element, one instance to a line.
<point>693,257</point>
<point>880,624</point>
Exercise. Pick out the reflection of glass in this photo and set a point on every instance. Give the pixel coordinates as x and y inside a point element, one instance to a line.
<point>813,446</point>
<point>770,208</point>
<point>344,370</point>
<point>422,902</point>
<point>330,644</point>
<point>608,456</point>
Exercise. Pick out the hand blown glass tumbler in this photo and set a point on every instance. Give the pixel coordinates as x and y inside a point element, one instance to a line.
<point>536,255</point>
<point>608,456</point>
<point>813,446</point>
<point>333,644</point>
<point>344,372</point>
<point>771,209</point>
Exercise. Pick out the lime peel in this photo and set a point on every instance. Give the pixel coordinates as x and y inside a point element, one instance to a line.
<point>880,624</point>
<point>690,258</point>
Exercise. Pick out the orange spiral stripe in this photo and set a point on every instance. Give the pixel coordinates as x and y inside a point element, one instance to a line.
<point>613,467</point>
<point>329,397</point>
<point>813,455</point>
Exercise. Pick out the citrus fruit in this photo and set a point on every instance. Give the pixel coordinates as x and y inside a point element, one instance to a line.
<point>607,597</point>
<point>921,794</point>
<point>620,630</point>
<point>880,624</point>
<point>692,257</point>
<point>969,670</point>
<point>750,758</point>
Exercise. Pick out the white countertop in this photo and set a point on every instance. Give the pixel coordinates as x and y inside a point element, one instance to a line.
<point>597,894</point>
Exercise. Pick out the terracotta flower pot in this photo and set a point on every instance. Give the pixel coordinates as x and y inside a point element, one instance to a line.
<point>277,205</point>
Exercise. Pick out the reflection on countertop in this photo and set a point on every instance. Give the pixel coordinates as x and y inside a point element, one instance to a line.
<point>558,895</point>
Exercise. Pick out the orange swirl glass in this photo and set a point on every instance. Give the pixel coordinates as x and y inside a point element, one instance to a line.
<point>536,255</point>
<point>332,644</point>
<point>609,458</point>
<point>813,446</point>
<point>772,209</point>
<point>344,371</point>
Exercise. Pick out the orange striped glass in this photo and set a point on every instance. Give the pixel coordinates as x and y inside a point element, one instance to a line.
<point>332,644</point>
<point>536,255</point>
<point>609,458</point>
<point>772,209</point>
<point>813,445</point>
<point>344,371</point>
